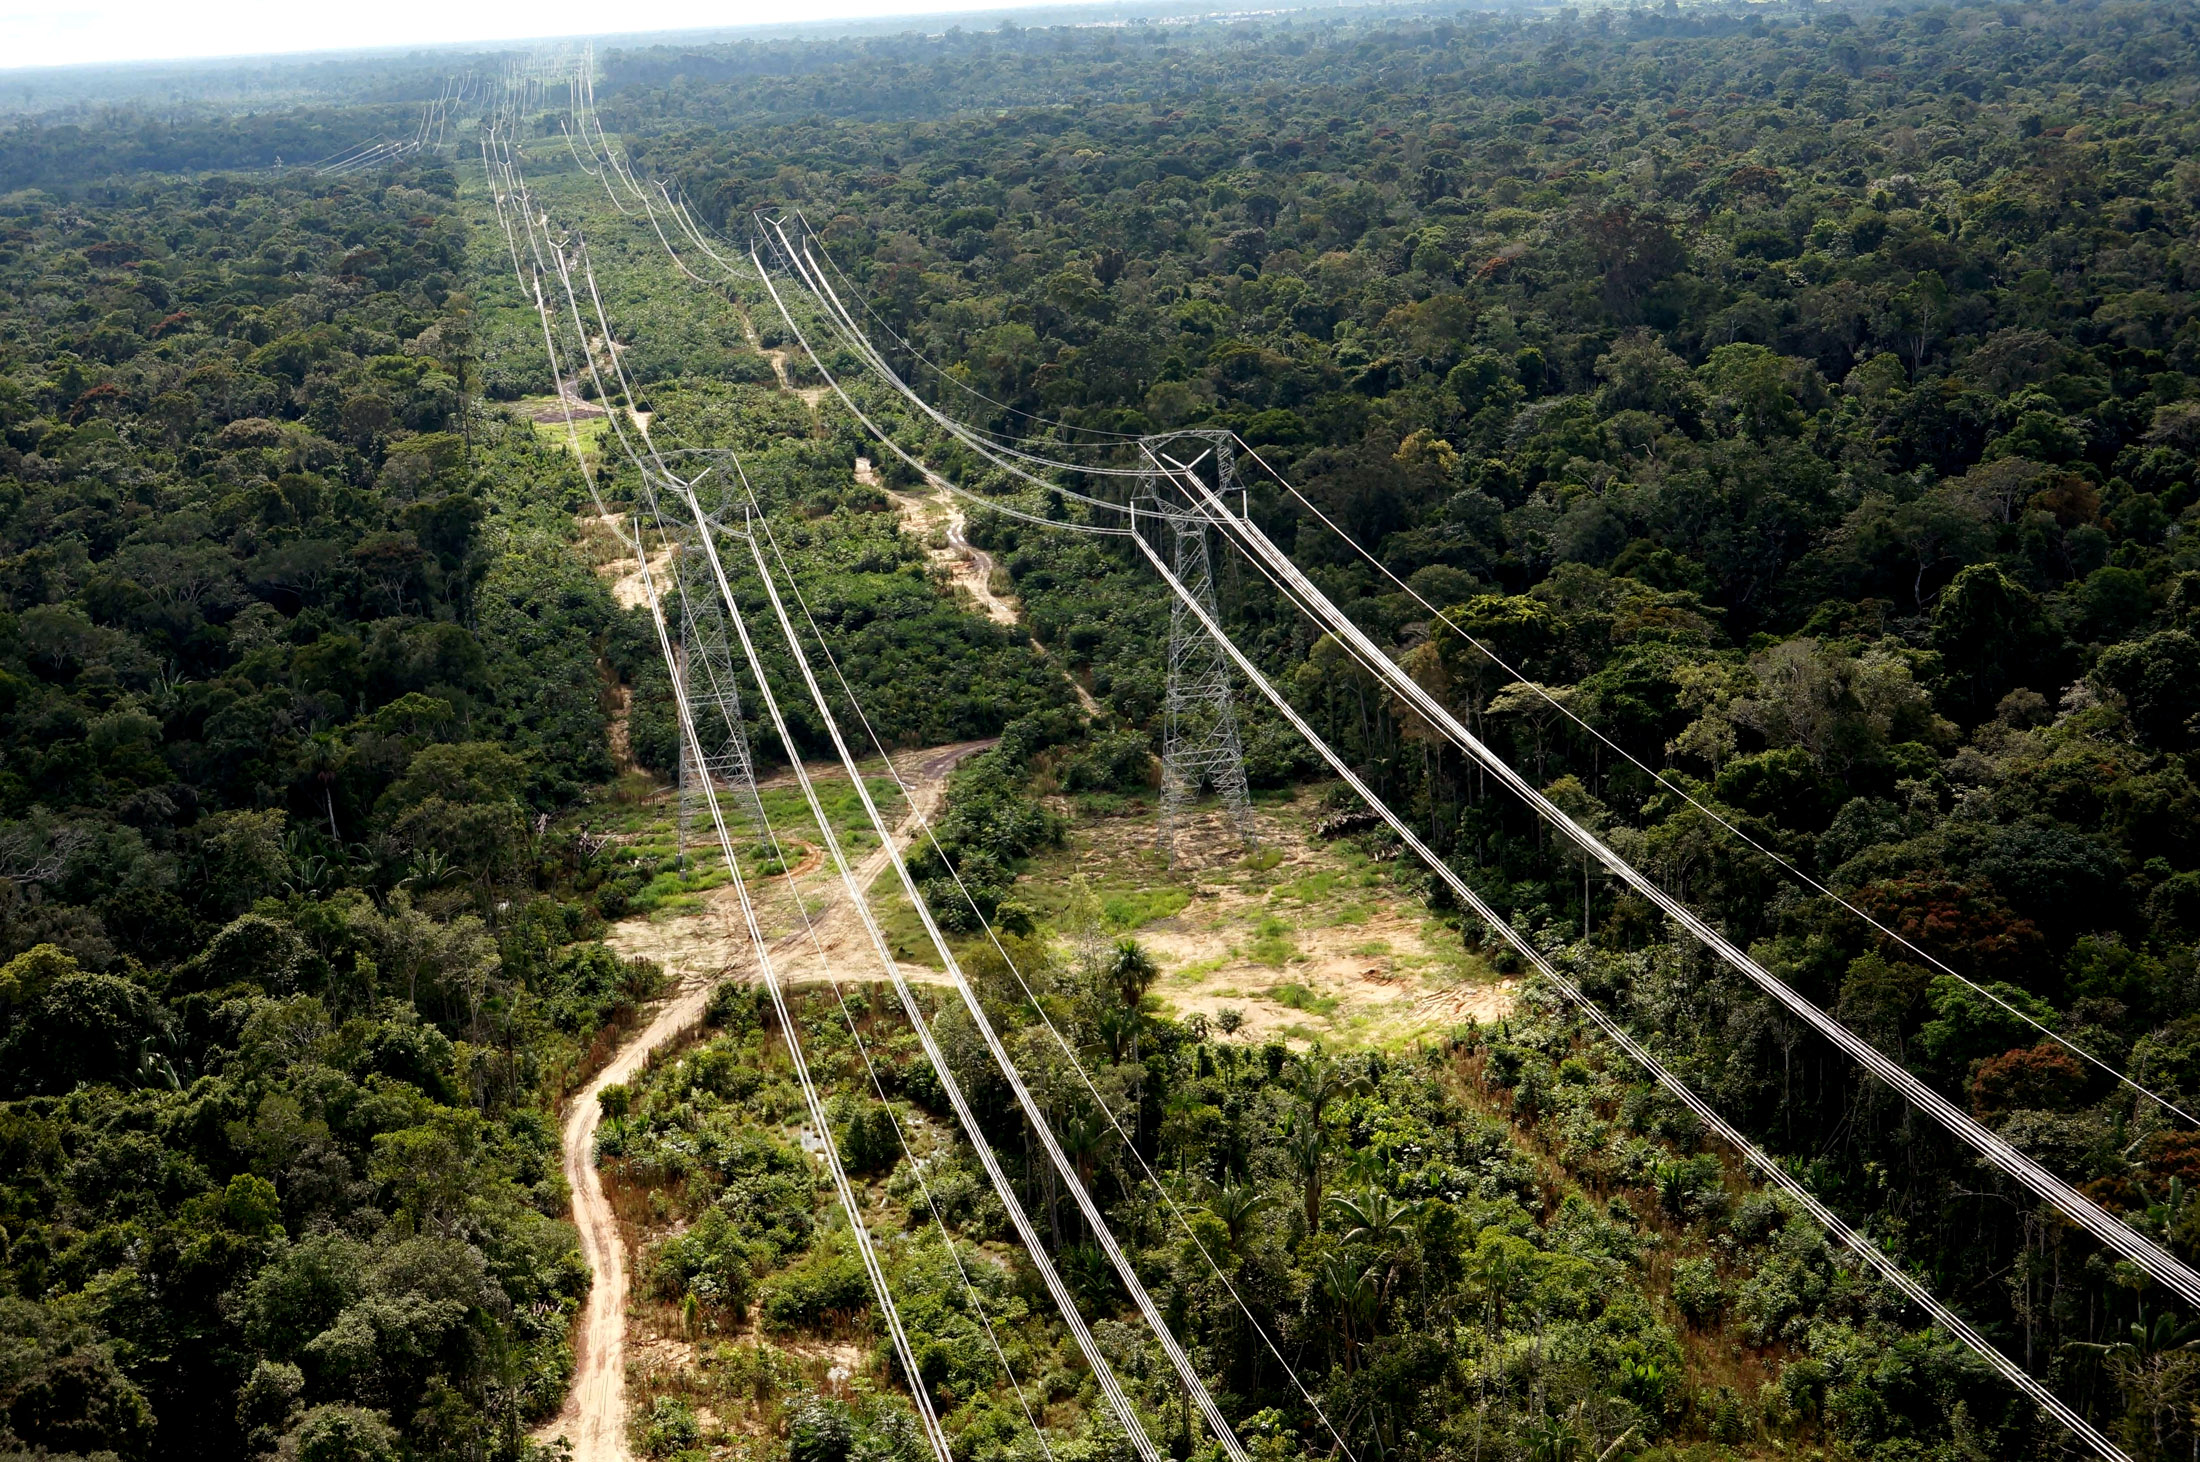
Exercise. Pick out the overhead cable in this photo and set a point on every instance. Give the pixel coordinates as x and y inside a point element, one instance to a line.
<point>859,900</point>
<point>1031,996</point>
<point>874,1271</point>
<point>2164,1267</point>
<point>1712,812</point>
<point>1765,1165</point>
<point>1119,1402</point>
<point>1195,1387</point>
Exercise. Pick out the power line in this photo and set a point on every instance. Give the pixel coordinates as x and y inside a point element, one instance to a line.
<point>1125,1412</point>
<point>2117,1235</point>
<point>1713,813</point>
<point>2162,1266</point>
<point>1194,1386</point>
<point>1103,1374</point>
<point>874,1271</point>
<point>1779,1176</point>
<point>848,325</point>
<point>1038,1006</point>
<point>1603,853</point>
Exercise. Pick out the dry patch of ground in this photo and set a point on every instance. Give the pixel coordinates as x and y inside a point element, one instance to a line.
<point>936,520</point>
<point>1298,939</point>
<point>696,929</point>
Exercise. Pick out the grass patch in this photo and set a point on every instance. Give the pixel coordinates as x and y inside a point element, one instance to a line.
<point>1198,970</point>
<point>590,429</point>
<point>1310,889</point>
<point>1261,861</point>
<point>676,890</point>
<point>1137,908</point>
<point>1272,943</point>
<point>1299,997</point>
<point>1371,948</point>
<point>788,810</point>
<point>898,921</point>
<point>1353,914</point>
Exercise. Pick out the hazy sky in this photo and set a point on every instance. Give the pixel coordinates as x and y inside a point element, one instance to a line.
<point>46,33</point>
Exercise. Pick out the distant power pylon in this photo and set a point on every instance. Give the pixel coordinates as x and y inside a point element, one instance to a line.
<point>1201,747</point>
<point>705,656</point>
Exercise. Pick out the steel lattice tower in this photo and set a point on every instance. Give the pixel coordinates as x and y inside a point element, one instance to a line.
<point>1201,746</point>
<point>714,697</point>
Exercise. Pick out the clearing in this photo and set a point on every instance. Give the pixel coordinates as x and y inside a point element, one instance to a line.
<point>692,923</point>
<point>1304,940</point>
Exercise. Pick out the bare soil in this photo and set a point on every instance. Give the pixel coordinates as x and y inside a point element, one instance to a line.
<point>1304,940</point>
<point>594,1417</point>
<point>712,941</point>
<point>937,522</point>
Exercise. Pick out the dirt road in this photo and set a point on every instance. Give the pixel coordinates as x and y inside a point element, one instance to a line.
<point>970,567</point>
<point>840,935</point>
<point>594,1418</point>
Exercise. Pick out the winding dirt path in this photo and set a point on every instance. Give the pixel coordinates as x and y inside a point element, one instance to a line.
<point>969,566</point>
<point>594,1418</point>
<point>595,1413</point>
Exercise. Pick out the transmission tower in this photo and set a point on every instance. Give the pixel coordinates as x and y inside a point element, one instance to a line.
<point>1201,747</point>
<point>714,696</point>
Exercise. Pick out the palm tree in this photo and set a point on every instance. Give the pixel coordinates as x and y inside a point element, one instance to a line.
<point>1377,1219</point>
<point>1117,1029</point>
<point>1132,971</point>
<point>323,761</point>
<point>1306,1143</point>
<point>1381,1222</point>
<point>1318,1082</point>
<point>1496,1267</point>
<point>1236,1205</point>
<point>1553,1439</point>
<point>1083,1133</point>
<point>2153,1366</point>
<point>1354,1298</point>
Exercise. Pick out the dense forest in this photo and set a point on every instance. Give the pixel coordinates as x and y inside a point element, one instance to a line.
<point>296,659</point>
<point>1806,398</point>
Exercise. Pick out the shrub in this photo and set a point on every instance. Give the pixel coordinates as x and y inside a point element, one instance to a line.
<point>1697,1291</point>
<point>820,1431</point>
<point>814,1292</point>
<point>672,1427</point>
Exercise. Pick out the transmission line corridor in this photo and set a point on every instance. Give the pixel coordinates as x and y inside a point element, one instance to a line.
<point>1188,495</point>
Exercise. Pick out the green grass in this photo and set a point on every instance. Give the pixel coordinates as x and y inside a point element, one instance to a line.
<point>1299,997</point>
<point>1262,861</point>
<point>898,921</point>
<point>789,812</point>
<point>1272,943</point>
<point>678,891</point>
<point>1198,970</point>
<point>1136,908</point>
<point>1310,889</point>
<point>590,429</point>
